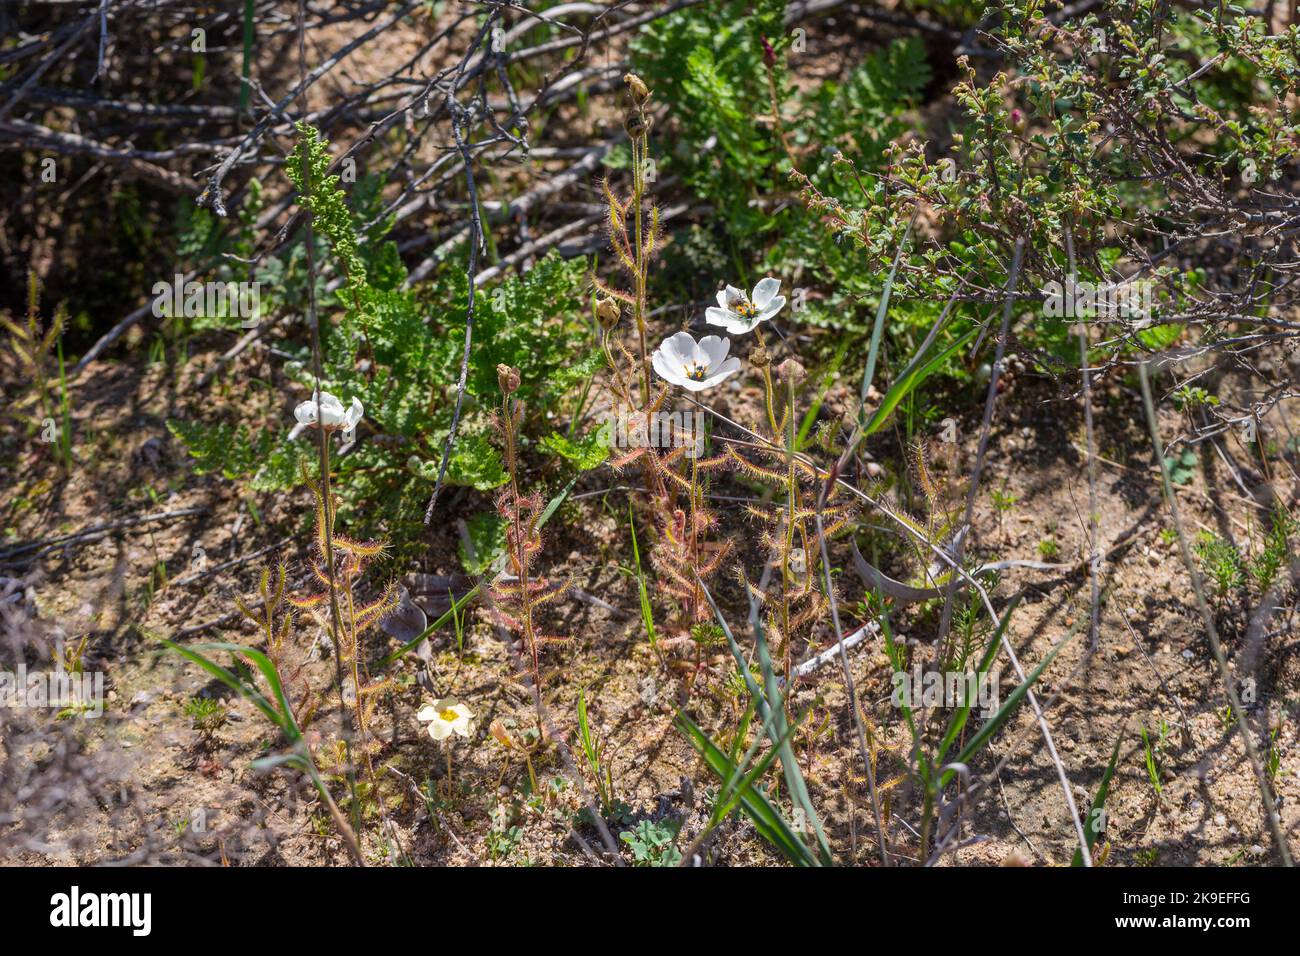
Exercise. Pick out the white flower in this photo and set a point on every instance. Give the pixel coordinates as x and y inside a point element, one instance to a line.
<point>326,411</point>
<point>446,717</point>
<point>694,365</point>
<point>738,313</point>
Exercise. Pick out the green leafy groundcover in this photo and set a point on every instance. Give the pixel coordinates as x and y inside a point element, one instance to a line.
<point>398,350</point>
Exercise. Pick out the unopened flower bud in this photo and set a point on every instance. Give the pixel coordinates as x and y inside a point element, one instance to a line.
<point>636,86</point>
<point>791,371</point>
<point>508,378</point>
<point>607,311</point>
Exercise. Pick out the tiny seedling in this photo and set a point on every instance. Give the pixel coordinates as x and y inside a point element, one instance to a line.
<point>501,843</point>
<point>1220,560</point>
<point>1003,504</point>
<point>653,843</point>
<point>593,749</point>
<point>207,715</point>
<point>1181,467</point>
<point>1226,718</point>
<point>1152,755</point>
<point>1276,552</point>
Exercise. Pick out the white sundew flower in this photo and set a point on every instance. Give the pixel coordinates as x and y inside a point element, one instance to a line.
<point>694,365</point>
<point>739,313</point>
<point>446,717</point>
<point>326,411</point>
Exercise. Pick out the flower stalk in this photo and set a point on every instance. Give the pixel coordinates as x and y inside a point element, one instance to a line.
<point>514,602</point>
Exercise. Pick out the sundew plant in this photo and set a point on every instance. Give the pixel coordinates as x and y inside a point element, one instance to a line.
<point>620,434</point>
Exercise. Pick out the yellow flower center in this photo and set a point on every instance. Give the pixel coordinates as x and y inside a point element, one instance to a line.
<point>739,303</point>
<point>696,373</point>
<point>449,715</point>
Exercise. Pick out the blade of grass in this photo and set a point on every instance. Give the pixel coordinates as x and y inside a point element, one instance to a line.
<point>450,615</point>
<point>734,788</point>
<point>771,826</point>
<point>230,680</point>
<point>1008,707</point>
<point>916,372</point>
<point>300,756</point>
<point>878,327</point>
<point>1099,801</point>
<point>810,417</point>
<point>647,612</point>
<point>962,714</point>
<point>770,704</point>
<point>269,673</point>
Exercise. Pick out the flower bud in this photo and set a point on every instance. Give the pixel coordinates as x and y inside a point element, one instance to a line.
<point>758,356</point>
<point>636,86</point>
<point>508,378</point>
<point>607,311</point>
<point>791,371</point>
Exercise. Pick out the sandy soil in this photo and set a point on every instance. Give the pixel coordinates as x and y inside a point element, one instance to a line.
<point>156,773</point>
